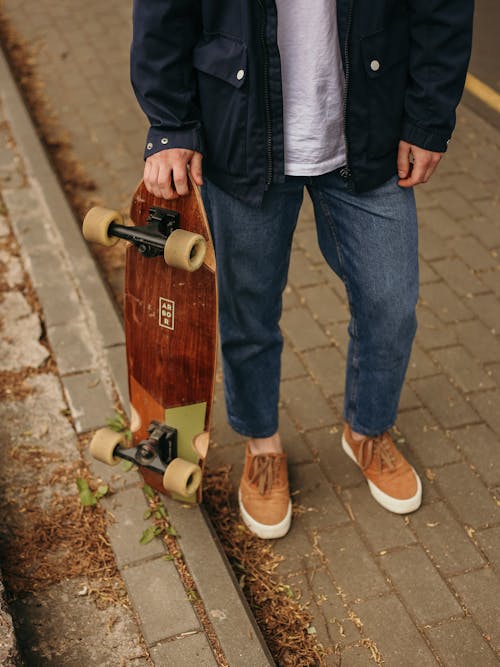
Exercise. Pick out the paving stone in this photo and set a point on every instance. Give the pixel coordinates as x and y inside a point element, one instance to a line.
<point>430,443</point>
<point>382,529</point>
<point>296,550</point>
<point>426,274</point>
<point>459,276</point>
<point>441,222</point>
<point>184,652</point>
<point>216,586</point>
<point>289,298</point>
<point>446,540</point>
<point>467,495</point>
<point>487,308</point>
<point>117,360</point>
<point>293,441</point>
<point>420,586</point>
<point>88,400</point>
<point>456,205</point>
<point>420,364</point>
<point>327,366</point>
<point>340,628</point>
<point>444,401</point>
<point>156,591</point>
<point>481,446</point>
<point>479,340</point>
<point>22,350</point>
<point>303,331</point>
<point>311,490</point>
<point>430,246</point>
<point>462,369</point>
<point>447,306</point>
<point>494,371</point>
<point>489,541</point>
<point>487,405</point>
<point>325,304</point>
<point>480,592</point>
<point>408,398</point>
<point>486,230</point>
<point>307,239</point>
<point>340,336</point>
<point>356,656</point>
<point>432,332</point>
<point>387,624</point>
<point>291,365</point>
<point>346,553</point>
<point>128,508</point>
<point>302,272</point>
<point>472,252</point>
<point>71,347</point>
<point>492,280</point>
<point>337,466</point>
<point>305,403</point>
<point>461,645</point>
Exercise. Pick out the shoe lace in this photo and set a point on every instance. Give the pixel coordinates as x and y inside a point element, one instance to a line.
<point>379,448</point>
<point>262,472</point>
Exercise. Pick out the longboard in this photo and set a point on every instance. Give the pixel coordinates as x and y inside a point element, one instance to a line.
<point>170,313</point>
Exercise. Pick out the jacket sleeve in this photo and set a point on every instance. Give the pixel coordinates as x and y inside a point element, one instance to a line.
<point>164,35</point>
<point>441,36</point>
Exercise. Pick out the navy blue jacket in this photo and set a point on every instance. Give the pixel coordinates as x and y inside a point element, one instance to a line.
<point>207,74</point>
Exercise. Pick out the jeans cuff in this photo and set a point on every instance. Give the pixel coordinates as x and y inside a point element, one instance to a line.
<point>251,431</point>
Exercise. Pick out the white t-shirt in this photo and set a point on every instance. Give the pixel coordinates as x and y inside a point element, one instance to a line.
<point>313,86</point>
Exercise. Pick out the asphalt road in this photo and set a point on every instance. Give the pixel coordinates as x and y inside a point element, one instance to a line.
<point>485,56</point>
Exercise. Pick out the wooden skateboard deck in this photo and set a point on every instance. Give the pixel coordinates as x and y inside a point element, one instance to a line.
<point>171,338</point>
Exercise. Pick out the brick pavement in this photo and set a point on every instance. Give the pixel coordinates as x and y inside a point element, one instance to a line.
<point>416,590</point>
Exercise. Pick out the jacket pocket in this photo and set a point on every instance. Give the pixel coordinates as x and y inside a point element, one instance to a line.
<point>221,64</point>
<point>385,57</point>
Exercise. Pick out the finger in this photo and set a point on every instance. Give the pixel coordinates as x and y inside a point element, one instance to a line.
<point>180,178</point>
<point>147,176</point>
<point>196,170</point>
<point>418,171</point>
<point>403,159</point>
<point>436,159</point>
<point>153,180</point>
<point>165,184</point>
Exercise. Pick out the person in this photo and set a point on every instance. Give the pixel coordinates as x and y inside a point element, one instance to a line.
<point>355,101</point>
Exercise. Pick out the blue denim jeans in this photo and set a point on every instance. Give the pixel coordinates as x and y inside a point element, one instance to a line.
<point>370,240</point>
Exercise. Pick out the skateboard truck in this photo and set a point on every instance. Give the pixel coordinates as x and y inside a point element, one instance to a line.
<point>161,235</point>
<point>157,453</point>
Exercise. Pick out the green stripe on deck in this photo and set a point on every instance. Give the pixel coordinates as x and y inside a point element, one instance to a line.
<point>189,420</point>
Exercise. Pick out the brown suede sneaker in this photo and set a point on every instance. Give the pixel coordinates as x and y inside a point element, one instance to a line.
<point>264,495</point>
<point>393,482</point>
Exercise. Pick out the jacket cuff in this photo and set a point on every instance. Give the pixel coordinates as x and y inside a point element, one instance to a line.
<point>159,139</point>
<point>431,141</point>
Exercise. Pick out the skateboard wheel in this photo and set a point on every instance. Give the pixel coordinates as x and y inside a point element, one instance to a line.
<point>103,445</point>
<point>96,225</point>
<point>185,250</point>
<point>182,477</point>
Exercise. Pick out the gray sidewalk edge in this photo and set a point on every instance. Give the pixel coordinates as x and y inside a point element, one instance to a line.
<point>236,629</point>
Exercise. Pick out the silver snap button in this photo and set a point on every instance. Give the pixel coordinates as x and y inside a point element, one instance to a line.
<point>164,140</point>
<point>375,65</point>
<point>240,74</point>
<point>149,146</point>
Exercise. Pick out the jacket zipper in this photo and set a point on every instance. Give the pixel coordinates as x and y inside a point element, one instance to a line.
<point>267,104</point>
<point>346,171</point>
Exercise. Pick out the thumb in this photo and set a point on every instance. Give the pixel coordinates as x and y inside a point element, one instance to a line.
<point>195,167</point>
<point>404,159</point>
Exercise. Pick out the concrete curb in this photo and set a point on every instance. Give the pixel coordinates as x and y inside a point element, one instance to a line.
<point>87,338</point>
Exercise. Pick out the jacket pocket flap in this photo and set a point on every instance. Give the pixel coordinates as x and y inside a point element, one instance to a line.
<point>386,48</point>
<point>222,57</point>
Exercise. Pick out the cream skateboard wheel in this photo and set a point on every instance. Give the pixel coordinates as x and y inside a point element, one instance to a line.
<point>96,225</point>
<point>185,250</point>
<point>103,445</point>
<point>182,477</point>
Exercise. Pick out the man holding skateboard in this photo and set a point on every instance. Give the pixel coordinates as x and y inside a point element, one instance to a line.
<point>354,100</point>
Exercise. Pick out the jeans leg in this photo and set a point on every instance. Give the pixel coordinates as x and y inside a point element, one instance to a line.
<point>371,241</point>
<point>252,247</point>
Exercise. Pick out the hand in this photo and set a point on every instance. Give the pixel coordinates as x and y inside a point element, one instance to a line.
<point>165,172</point>
<point>420,169</point>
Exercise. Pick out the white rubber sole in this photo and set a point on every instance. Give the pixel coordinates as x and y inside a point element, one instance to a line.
<point>395,505</point>
<point>263,530</point>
